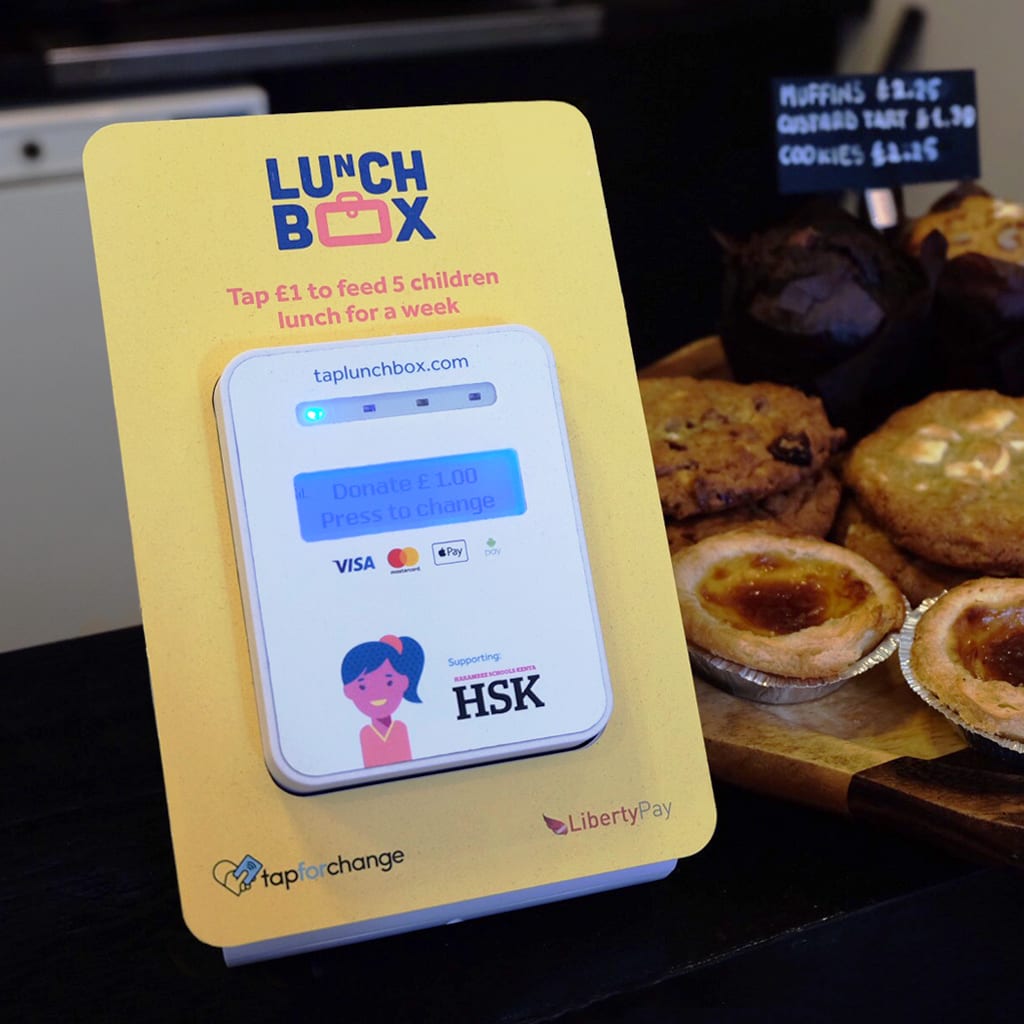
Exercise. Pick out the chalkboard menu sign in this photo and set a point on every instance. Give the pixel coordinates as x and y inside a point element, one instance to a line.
<point>875,131</point>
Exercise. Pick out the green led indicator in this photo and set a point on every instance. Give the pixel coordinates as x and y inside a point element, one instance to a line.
<point>314,414</point>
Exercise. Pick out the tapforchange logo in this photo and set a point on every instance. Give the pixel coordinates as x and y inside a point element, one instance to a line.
<point>359,207</point>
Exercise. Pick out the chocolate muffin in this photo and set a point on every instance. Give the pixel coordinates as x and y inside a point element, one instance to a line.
<point>827,304</point>
<point>979,302</point>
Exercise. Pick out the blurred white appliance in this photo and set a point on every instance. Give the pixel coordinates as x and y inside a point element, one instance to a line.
<point>65,554</point>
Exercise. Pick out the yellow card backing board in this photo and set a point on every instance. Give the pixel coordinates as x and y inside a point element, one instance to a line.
<point>216,237</point>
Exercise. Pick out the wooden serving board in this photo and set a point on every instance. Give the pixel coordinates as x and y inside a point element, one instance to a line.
<point>872,749</point>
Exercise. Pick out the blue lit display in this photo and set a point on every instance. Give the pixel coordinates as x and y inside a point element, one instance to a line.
<point>412,495</point>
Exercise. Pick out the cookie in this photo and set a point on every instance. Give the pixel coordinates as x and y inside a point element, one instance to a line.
<point>944,478</point>
<point>968,650</point>
<point>794,606</point>
<point>718,445</point>
<point>808,508</point>
<point>917,577</point>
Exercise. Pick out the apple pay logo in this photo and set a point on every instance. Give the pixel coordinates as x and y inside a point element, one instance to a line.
<point>447,551</point>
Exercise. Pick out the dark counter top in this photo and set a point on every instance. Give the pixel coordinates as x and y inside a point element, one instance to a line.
<point>785,907</point>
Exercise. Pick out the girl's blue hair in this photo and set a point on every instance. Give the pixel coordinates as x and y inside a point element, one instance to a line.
<point>404,653</point>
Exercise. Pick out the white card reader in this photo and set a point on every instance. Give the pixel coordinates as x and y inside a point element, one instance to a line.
<point>413,569</point>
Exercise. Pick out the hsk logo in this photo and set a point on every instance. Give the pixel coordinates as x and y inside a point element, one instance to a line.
<point>632,816</point>
<point>349,217</point>
<point>502,696</point>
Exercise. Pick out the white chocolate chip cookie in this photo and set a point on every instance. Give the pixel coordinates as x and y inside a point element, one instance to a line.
<point>945,479</point>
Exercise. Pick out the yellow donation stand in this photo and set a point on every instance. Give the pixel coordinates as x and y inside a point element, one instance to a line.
<point>411,623</point>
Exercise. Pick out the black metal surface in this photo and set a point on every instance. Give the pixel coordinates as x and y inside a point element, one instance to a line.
<point>93,928</point>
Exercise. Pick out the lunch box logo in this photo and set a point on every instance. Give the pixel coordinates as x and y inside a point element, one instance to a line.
<point>369,215</point>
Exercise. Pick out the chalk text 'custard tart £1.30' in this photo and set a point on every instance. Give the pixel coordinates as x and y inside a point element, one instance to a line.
<point>794,606</point>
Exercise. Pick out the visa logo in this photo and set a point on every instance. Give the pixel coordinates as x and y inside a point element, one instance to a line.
<point>357,564</point>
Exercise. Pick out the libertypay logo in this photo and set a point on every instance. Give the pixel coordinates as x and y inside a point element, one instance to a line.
<point>369,215</point>
<point>631,817</point>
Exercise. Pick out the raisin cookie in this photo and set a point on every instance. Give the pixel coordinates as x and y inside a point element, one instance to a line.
<point>809,508</point>
<point>968,650</point>
<point>794,606</point>
<point>717,444</point>
<point>944,478</point>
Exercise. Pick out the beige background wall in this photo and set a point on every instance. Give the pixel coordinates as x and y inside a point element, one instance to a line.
<point>981,34</point>
<point>66,566</point>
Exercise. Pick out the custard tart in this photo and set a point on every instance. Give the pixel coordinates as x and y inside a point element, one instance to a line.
<point>968,651</point>
<point>795,606</point>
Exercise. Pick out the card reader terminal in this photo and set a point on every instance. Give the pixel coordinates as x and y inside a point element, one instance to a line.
<point>414,574</point>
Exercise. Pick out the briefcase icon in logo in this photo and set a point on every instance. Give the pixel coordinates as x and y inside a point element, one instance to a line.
<point>353,219</point>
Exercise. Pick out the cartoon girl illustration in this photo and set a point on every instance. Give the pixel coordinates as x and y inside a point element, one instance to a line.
<point>376,676</point>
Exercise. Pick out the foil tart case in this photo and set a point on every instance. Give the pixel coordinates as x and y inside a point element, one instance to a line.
<point>767,688</point>
<point>1007,750</point>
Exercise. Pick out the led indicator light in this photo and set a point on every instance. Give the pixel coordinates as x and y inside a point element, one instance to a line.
<point>314,414</point>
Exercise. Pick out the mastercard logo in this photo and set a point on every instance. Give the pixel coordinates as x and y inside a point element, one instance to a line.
<point>403,558</point>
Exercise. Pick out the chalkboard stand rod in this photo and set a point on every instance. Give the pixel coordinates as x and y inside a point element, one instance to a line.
<point>884,206</point>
